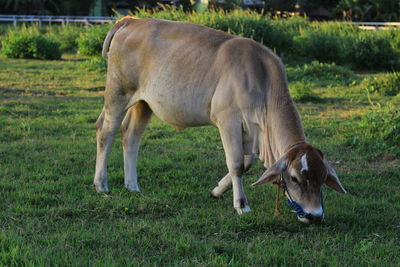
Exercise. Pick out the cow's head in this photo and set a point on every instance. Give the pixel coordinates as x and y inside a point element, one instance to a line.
<point>304,171</point>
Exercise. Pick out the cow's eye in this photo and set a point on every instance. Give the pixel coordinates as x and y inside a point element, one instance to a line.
<point>295,180</point>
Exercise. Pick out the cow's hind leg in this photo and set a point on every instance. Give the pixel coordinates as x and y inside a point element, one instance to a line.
<point>225,183</point>
<point>107,124</point>
<point>231,134</point>
<point>132,129</point>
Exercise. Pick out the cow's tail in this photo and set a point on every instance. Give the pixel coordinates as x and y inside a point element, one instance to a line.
<point>120,24</point>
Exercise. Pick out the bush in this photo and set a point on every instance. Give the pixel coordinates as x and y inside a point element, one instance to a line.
<point>380,127</point>
<point>95,63</point>
<point>30,44</point>
<point>370,51</point>
<point>323,74</point>
<point>301,92</point>
<point>67,36</point>
<point>322,46</point>
<point>325,42</point>
<point>385,84</point>
<point>90,42</point>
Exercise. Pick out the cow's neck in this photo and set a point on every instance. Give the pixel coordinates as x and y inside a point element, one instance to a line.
<point>283,128</point>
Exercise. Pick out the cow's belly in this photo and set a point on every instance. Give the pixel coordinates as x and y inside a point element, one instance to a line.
<point>179,110</point>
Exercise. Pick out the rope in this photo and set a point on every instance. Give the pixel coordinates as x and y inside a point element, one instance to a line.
<point>293,204</point>
<point>277,212</point>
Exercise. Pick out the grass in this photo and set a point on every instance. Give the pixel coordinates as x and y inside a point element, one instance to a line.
<point>50,214</point>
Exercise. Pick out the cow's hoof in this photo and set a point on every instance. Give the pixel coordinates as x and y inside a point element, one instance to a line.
<point>132,188</point>
<point>101,188</point>
<point>241,211</point>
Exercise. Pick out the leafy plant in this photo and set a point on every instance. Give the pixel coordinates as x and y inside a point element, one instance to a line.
<point>301,92</point>
<point>369,51</point>
<point>95,63</point>
<point>323,74</point>
<point>66,36</point>
<point>387,84</point>
<point>29,43</point>
<point>90,42</point>
<point>322,46</point>
<point>381,126</point>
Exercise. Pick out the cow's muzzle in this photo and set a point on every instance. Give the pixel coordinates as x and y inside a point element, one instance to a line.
<point>304,215</point>
<point>311,218</point>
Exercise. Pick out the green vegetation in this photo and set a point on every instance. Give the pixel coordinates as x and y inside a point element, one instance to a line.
<point>66,36</point>
<point>325,42</point>
<point>90,43</point>
<point>51,214</point>
<point>95,63</point>
<point>29,43</point>
<point>322,74</point>
<point>380,128</point>
<point>301,92</point>
<point>387,84</point>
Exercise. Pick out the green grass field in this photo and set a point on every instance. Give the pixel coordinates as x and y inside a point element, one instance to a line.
<point>50,214</point>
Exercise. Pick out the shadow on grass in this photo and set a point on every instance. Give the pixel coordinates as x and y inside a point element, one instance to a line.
<point>17,92</point>
<point>94,89</point>
<point>321,100</point>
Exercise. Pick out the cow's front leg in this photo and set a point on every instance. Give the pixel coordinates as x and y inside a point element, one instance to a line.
<point>225,183</point>
<point>231,135</point>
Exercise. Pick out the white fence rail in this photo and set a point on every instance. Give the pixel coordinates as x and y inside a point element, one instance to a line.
<point>63,20</point>
<point>375,25</point>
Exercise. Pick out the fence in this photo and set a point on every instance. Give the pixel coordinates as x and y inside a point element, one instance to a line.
<point>375,25</point>
<point>63,20</point>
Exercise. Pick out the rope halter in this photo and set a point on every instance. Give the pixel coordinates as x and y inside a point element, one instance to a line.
<point>296,206</point>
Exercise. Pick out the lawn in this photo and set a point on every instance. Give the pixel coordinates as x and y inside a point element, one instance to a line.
<point>50,214</point>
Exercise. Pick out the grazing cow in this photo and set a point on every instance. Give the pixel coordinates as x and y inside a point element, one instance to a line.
<point>190,75</point>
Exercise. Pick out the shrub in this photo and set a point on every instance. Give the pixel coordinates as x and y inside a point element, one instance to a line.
<point>301,92</point>
<point>30,44</point>
<point>254,26</point>
<point>4,29</point>
<point>387,84</point>
<point>90,42</point>
<point>95,63</point>
<point>167,12</point>
<point>371,51</point>
<point>67,36</point>
<point>316,44</point>
<point>323,74</point>
<point>325,42</point>
<point>380,126</point>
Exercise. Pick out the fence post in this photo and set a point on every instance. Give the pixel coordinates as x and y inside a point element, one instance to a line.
<point>15,22</point>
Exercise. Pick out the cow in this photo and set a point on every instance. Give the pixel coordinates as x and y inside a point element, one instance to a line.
<point>190,75</point>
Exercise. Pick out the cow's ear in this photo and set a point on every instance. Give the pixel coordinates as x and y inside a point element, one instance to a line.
<point>332,180</point>
<point>272,173</point>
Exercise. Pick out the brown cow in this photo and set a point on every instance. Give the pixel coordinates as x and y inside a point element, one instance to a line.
<point>190,75</point>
